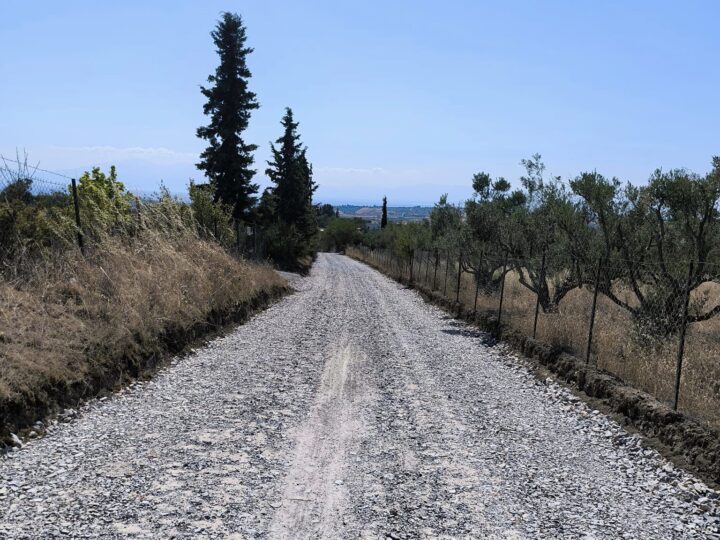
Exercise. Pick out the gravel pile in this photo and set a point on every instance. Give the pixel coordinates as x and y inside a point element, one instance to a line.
<point>351,409</point>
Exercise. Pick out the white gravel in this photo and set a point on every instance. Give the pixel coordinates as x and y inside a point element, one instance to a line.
<point>351,409</point>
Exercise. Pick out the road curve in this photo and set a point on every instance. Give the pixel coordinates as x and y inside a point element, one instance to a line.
<point>350,409</point>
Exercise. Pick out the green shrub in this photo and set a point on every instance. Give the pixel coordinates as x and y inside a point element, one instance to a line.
<point>340,233</point>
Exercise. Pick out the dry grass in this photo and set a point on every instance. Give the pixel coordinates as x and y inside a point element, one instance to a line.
<point>69,320</point>
<point>646,364</point>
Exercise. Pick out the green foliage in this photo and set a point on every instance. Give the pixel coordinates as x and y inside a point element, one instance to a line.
<point>213,219</point>
<point>29,222</point>
<point>266,210</point>
<point>325,213</point>
<point>288,205</point>
<point>410,237</point>
<point>105,204</point>
<point>445,221</point>
<point>291,173</point>
<point>341,233</point>
<point>646,236</point>
<point>384,218</point>
<point>228,159</point>
<point>649,234</point>
<point>287,246</point>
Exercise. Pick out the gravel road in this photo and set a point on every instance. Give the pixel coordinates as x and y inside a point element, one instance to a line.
<point>350,409</point>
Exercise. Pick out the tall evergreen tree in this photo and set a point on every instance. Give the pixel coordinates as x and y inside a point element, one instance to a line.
<point>291,173</point>
<point>383,219</point>
<point>228,159</point>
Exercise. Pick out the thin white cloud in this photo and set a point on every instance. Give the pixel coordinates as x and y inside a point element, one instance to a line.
<point>352,170</point>
<point>158,155</point>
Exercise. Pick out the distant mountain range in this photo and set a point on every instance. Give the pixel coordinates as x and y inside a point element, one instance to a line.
<point>395,213</point>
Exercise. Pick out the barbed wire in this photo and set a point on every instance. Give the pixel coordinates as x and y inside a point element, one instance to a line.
<point>36,168</point>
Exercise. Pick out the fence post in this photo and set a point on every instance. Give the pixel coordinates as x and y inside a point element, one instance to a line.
<point>437,261</point>
<point>477,285</point>
<point>412,263</point>
<point>447,268</point>
<point>237,235</point>
<point>76,202</point>
<point>457,294</point>
<point>592,313</point>
<point>537,300</point>
<point>139,214</point>
<point>427,266</point>
<point>681,346</point>
<point>502,291</point>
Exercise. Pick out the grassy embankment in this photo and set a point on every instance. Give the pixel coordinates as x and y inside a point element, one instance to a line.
<point>72,327</point>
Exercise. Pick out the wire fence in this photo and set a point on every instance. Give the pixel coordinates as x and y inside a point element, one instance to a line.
<point>48,208</point>
<point>650,330</point>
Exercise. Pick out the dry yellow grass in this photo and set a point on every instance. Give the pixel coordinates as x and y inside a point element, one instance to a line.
<point>72,321</point>
<point>647,365</point>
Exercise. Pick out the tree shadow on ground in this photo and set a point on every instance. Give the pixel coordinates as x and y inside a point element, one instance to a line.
<point>460,329</point>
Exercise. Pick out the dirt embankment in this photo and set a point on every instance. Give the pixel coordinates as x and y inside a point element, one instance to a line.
<point>76,328</point>
<point>682,439</point>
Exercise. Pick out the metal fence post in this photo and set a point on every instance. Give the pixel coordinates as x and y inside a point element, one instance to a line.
<point>457,294</point>
<point>139,214</point>
<point>681,346</point>
<point>412,263</point>
<point>76,203</point>
<point>502,291</point>
<point>427,266</point>
<point>592,313</point>
<point>447,268</point>
<point>537,300</point>
<point>477,285</point>
<point>437,261</point>
<point>237,234</point>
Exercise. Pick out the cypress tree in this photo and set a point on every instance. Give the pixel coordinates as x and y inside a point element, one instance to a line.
<point>383,219</point>
<point>228,159</point>
<point>291,173</point>
<point>309,221</point>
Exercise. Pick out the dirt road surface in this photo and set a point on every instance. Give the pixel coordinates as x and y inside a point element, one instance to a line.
<point>350,409</point>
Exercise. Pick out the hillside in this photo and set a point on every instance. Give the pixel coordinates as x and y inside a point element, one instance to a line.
<point>395,213</point>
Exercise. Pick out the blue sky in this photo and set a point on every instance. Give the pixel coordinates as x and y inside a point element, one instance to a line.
<point>402,98</point>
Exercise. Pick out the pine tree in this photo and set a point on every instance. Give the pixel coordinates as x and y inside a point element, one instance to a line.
<point>228,159</point>
<point>383,219</point>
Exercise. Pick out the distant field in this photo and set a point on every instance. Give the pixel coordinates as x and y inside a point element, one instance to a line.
<point>395,213</point>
